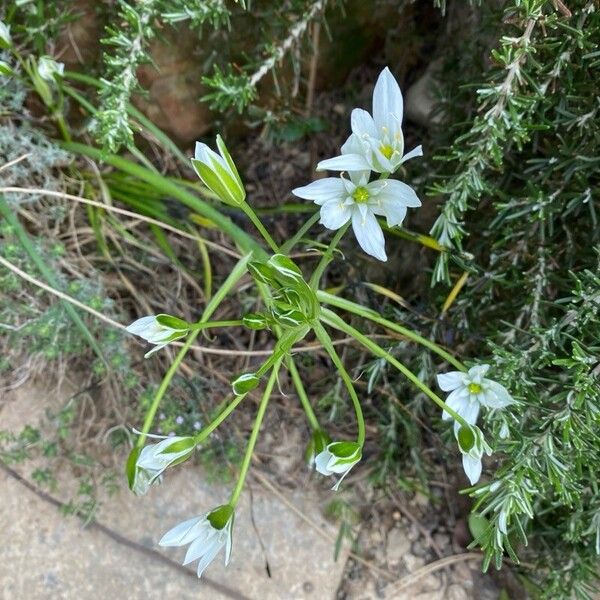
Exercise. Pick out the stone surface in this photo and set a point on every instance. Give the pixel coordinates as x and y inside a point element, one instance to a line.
<point>46,555</point>
<point>398,545</point>
<point>420,98</point>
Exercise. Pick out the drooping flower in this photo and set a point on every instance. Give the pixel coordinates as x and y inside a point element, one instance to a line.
<point>153,459</point>
<point>338,458</point>
<point>219,173</point>
<point>159,330</point>
<point>49,69</point>
<point>206,534</point>
<point>472,446</point>
<point>377,141</point>
<point>359,200</point>
<point>471,390</point>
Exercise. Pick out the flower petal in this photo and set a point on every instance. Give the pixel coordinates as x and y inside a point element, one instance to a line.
<point>388,105</point>
<point>450,381</point>
<point>334,214</point>
<point>211,552</point>
<point>141,326</point>
<point>478,372</point>
<point>345,162</point>
<point>458,401</point>
<point>322,461</point>
<point>362,123</point>
<point>495,395</point>
<point>369,235</point>
<point>183,533</point>
<point>397,191</point>
<point>414,153</point>
<point>472,467</point>
<point>322,190</point>
<point>354,145</point>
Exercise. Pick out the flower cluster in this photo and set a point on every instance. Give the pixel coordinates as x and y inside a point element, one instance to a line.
<point>375,145</point>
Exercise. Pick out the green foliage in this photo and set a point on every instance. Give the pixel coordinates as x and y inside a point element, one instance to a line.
<point>527,161</point>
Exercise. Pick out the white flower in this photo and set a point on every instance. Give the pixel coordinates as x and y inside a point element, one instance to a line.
<point>5,39</point>
<point>343,199</point>
<point>472,446</point>
<point>219,173</point>
<point>338,457</point>
<point>469,391</point>
<point>377,142</point>
<point>159,330</point>
<point>154,459</point>
<point>206,534</point>
<point>48,68</point>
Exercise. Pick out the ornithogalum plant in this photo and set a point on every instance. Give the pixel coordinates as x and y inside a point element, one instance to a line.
<point>295,305</point>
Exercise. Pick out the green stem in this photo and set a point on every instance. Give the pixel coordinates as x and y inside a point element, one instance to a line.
<point>262,409</point>
<point>261,228</point>
<point>62,126</point>
<point>327,256</point>
<point>286,248</point>
<point>337,322</point>
<point>310,415</point>
<point>215,324</point>
<point>357,309</point>
<point>324,338</point>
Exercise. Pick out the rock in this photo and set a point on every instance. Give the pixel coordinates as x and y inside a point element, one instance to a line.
<point>397,546</point>
<point>420,99</point>
<point>413,562</point>
<point>174,88</point>
<point>456,592</point>
<point>53,556</point>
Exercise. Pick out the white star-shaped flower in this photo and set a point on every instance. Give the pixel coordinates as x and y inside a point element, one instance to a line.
<point>471,390</point>
<point>359,200</point>
<point>205,534</point>
<point>377,141</point>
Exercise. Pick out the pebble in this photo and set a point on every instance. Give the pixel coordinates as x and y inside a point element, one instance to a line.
<point>398,545</point>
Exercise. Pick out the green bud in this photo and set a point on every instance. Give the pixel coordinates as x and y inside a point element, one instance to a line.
<point>186,443</point>
<point>262,272</point>
<point>286,271</point>
<point>255,321</point>
<point>219,173</point>
<point>130,466</point>
<point>172,322</point>
<point>288,318</point>
<point>466,438</point>
<point>245,383</point>
<point>346,452</point>
<point>220,516</point>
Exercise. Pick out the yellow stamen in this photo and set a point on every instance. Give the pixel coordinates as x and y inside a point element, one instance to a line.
<point>474,388</point>
<point>361,195</point>
<point>386,150</point>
